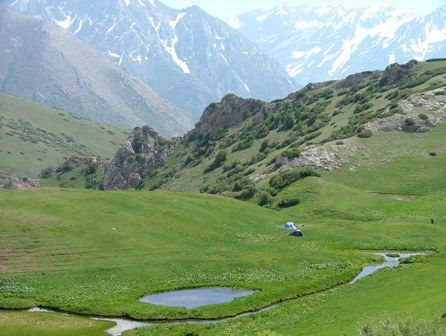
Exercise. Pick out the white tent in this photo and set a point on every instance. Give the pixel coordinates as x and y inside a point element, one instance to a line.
<point>290,226</point>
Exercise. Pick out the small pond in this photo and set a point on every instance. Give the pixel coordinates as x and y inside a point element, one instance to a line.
<point>193,298</point>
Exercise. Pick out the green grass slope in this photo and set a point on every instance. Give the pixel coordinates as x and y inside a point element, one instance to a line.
<point>329,112</point>
<point>33,136</point>
<point>155,241</point>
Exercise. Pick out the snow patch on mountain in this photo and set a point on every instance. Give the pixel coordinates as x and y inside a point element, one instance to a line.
<point>323,43</point>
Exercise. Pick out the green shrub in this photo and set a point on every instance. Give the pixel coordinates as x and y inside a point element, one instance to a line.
<point>291,153</point>
<point>287,123</point>
<point>249,171</point>
<point>47,173</point>
<point>365,133</point>
<point>246,193</point>
<point>265,198</point>
<point>423,116</point>
<point>288,202</point>
<point>243,144</point>
<point>264,146</point>
<point>218,162</point>
<point>288,177</point>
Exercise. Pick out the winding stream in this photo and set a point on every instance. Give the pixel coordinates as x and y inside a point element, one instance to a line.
<point>123,325</point>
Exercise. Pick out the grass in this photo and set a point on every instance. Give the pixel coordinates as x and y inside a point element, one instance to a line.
<point>152,242</point>
<point>49,324</point>
<point>155,241</point>
<point>34,137</point>
<point>417,292</point>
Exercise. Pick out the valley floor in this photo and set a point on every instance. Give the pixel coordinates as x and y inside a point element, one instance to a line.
<point>96,253</point>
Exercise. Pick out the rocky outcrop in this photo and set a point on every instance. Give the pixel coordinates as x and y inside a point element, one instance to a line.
<point>329,156</point>
<point>143,152</point>
<point>230,112</point>
<point>21,183</point>
<point>307,88</point>
<point>358,78</point>
<point>432,104</point>
<point>396,72</point>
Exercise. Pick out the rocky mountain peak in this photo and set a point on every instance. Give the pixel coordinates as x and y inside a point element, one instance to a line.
<point>231,111</point>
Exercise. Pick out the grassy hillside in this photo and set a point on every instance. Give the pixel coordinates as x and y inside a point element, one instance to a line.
<point>345,114</point>
<point>33,136</point>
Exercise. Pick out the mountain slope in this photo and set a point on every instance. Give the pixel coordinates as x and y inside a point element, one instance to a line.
<point>252,150</point>
<point>34,137</point>
<point>187,55</point>
<point>44,63</point>
<point>318,44</point>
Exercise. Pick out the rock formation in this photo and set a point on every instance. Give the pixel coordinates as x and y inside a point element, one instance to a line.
<point>21,183</point>
<point>143,152</point>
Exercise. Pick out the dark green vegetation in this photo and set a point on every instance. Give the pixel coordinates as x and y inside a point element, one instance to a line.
<point>33,137</point>
<point>76,172</point>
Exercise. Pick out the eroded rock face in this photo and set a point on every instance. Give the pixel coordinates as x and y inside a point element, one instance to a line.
<point>431,103</point>
<point>143,152</point>
<point>231,111</point>
<point>21,183</point>
<point>325,157</point>
<point>396,72</point>
<point>358,78</point>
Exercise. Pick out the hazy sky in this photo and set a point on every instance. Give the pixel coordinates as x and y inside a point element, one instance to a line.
<point>229,8</point>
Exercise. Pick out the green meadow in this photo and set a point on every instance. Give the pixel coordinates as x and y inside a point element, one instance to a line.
<point>96,253</point>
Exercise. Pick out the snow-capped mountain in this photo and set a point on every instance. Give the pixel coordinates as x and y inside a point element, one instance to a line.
<point>318,44</point>
<point>187,55</point>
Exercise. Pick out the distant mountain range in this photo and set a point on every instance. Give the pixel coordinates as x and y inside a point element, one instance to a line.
<point>42,62</point>
<point>318,44</point>
<point>188,56</point>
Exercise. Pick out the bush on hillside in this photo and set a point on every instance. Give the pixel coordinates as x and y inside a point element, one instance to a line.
<point>264,146</point>
<point>287,123</point>
<point>365,134</point>
<point>288,177</point>
<point>243,144</point>
<point>423,116</point>
<point>265,198</point>
<point>47,173</point>
<point>218,162</point>
<point>288,202</point>
<point>291,153</point>
<point>246,194</point>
